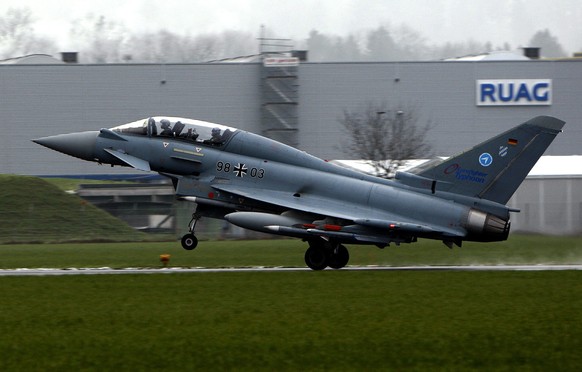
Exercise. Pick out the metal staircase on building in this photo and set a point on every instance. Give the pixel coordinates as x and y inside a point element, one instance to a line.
<point>280,91</point>
<point>279,106</point>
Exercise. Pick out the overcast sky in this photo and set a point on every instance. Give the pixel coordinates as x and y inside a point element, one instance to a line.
<point>498,21</point>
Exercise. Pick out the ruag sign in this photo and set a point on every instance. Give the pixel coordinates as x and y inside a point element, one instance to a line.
<point>511,92</point>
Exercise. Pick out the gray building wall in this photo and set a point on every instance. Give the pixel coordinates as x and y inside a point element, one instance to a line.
<point>41,100</point>
<point>443,92</point>
<point>549,205</point>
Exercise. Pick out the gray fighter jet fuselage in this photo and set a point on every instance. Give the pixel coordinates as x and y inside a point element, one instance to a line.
<point>263,185</point>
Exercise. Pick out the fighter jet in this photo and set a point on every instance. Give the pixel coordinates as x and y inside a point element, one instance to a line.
<point>260,184</point>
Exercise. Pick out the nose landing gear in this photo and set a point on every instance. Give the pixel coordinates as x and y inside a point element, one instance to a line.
<point>189,241</point>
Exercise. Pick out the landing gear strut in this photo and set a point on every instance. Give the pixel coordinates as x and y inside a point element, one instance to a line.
<point>322,254</point>
<point>189,241</point>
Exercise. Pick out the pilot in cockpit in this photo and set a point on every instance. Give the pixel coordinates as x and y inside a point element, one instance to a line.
<point>166,128</point>
<point>216,137</point>
<point>191,134</point>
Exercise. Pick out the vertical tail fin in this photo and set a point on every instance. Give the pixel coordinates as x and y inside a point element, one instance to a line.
<point>494,169</point>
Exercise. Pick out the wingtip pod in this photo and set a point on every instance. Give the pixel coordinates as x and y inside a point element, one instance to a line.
<point>547,122</point>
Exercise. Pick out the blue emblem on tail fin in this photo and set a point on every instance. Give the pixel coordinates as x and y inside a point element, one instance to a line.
<point>485,159</point>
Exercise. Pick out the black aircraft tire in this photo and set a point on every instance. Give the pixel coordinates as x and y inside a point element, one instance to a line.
<point>189,242</point>
<point>316,258</point>
<point>340,258</point>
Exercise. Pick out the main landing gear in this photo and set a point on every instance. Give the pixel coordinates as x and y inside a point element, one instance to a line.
<point>189,241</point>
<point>322,254</point>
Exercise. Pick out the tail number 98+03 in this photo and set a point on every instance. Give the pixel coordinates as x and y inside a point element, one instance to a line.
<point>240,170</point>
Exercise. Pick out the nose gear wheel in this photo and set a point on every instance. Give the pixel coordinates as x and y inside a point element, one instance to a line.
<point>189,241</point>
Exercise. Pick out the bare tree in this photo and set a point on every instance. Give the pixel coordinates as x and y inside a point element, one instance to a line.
<point>320,46</point>
<point>385,136</point>
<point>17,36</point>
<point>204,47</point>
<point>380,45</point>
<point>237,43</point>
<point>101,40</point>
<point>168,47</point>
<point>410,44</point>
<point>549,44</point>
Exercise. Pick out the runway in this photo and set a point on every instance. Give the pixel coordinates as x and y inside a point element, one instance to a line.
<point>110,271</point>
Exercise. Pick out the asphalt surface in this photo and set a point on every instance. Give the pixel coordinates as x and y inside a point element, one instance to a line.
<point>110,271</point>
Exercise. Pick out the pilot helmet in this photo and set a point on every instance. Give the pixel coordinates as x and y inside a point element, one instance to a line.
<point>165,123</point>
<point>215,131</point>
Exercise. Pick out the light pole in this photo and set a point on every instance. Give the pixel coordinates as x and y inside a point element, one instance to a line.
<point>398,136</point>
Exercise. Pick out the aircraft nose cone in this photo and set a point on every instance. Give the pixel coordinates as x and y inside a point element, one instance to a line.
<point>80,145</point>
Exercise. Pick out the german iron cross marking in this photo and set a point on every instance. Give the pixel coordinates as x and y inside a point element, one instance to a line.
<point>240,170</point>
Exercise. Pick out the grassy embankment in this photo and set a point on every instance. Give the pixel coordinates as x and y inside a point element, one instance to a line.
<point>34,210</point>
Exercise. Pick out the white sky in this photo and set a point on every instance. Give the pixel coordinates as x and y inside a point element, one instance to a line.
<point>498,21</point>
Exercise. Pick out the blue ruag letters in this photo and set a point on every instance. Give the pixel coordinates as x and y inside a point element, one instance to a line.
<point>514,92</point>
<point>541,92</point>
<point>487,92</point>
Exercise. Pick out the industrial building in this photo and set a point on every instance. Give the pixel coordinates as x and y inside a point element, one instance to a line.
<point>298,102</point>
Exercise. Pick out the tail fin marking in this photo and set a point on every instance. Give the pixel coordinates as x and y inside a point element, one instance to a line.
<point>494,169</point>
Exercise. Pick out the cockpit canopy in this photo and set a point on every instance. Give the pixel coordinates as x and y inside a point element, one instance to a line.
<point>179,128</point>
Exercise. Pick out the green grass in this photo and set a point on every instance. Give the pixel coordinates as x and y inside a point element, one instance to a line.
<point>341,320</point>
<point>34,210</point>
<point>289,252</point>
<point>327,320</point>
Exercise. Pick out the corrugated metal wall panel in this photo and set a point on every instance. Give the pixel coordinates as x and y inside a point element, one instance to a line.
<point>40,100</point>
<point>444,93</point>
<point>548,206</point>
